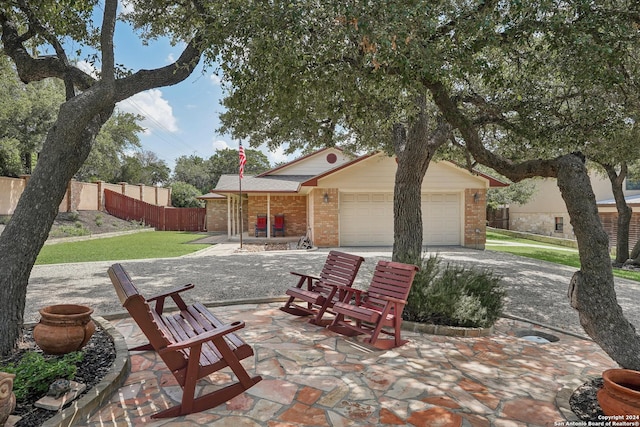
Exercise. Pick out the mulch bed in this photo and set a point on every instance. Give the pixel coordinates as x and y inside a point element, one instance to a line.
<point>99,355</point>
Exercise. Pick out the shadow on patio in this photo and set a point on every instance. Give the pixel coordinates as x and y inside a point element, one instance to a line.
<point>312,376</point>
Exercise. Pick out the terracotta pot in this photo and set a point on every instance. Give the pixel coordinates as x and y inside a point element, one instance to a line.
<point>7,398</point>
<point>64,328</point>
<point>620,394</point>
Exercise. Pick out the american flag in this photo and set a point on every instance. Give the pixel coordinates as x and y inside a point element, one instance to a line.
<point>243,160</point>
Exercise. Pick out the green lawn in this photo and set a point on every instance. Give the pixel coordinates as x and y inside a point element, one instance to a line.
<point>543,251</point>
<point>154,244</point>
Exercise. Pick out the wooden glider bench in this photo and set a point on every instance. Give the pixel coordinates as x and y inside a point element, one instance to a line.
<point>193,343</point>
<point>320,292</point>
<point>379,309</point>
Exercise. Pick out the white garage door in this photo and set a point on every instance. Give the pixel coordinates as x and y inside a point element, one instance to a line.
<point>366,219</point>
<point>441,219</point>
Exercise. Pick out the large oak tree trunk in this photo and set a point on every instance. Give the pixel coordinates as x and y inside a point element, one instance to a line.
<point>591,291</point>
<point>624,212</point>
<point>65,149</point>
<point>414,150</point>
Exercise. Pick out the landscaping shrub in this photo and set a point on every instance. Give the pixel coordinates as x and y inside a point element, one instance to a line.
<point>34,373</point>
<point>455,296</point>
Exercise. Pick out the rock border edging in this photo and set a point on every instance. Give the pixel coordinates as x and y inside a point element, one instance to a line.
<point>88,404</point>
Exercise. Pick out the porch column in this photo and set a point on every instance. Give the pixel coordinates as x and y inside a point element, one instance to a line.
<point>268,215</point>
<point>228,216</point>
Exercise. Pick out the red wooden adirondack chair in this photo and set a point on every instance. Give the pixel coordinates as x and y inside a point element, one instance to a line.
<point>192,342</point>
<point>321,292</point>
<point>278,225</point>
<point>261,225</point>
<point>379,309</point>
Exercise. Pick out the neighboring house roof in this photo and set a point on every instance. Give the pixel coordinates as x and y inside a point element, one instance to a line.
<point>631,200</point>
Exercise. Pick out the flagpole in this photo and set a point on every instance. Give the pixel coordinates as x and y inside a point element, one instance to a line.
<point>240,187</point>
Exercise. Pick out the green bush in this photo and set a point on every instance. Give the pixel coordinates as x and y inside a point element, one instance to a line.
<point>34,373</point>
<point>455,296</point>
<point>183,195</point>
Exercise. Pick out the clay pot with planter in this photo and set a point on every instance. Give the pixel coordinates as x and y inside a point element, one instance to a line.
<point>620,394</point>
<point>64,328</point>
<point>7,398</point>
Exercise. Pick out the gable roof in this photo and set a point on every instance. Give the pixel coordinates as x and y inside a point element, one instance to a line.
<point>273,181</point>
<point>297,161</point>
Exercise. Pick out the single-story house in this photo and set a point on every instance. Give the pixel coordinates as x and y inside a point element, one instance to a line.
<point>341,201</point>
<point>546,213</point>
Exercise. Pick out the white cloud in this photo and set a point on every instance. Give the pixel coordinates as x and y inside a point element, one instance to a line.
<point>277,156</point>
<point>219,144</point>
<point>126,7</point>
<point>171,59</point>
<point>215,79</point>
<point>87,68</point>
<point>157,111</point>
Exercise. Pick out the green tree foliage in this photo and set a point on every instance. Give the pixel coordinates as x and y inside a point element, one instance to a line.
<point>226,162</point>
<point>204,174</point>
<point>118,136</point>
<point>143,167</point>
<point>193,170</point>
<point>517,192</point>
<point>183,195</point>
<point>26,114</point>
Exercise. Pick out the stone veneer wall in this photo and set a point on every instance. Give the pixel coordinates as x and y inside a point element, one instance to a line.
<point>475,218</point>
<point>541,223</point>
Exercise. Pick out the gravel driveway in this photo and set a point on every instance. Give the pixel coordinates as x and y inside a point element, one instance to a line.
<point>536,289</point>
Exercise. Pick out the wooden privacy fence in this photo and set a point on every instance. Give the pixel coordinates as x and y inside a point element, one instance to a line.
<point>160,217</point>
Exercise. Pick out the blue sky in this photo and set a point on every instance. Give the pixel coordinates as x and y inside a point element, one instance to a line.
<point>181,120</point>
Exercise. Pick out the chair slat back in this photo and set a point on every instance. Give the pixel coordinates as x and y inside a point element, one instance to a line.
<point>391,279</point>
<point>340,268</point>
<point>261,222</point>
<point>151,323</point>
<point>278,221</point>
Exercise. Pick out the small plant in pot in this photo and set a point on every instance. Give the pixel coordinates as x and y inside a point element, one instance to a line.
<point>455,296</point>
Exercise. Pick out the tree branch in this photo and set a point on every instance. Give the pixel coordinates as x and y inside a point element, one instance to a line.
<point>514,171</point>
<point>165,76</point>
<point>106,40</point>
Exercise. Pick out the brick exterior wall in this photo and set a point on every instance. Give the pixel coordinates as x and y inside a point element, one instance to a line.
<point>217,215</point>
<point>475,218</point>
<point>610,223</point>
<point>325,218</point>
<point>294,209</point>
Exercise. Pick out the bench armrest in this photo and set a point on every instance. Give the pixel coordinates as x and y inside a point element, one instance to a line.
<point>171,292</point>
<point>203,337</point>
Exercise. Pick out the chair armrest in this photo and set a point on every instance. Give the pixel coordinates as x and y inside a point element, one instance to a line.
<point>203,337</point>
<point>310,276</point>
<point>171,292</point>
<point>387,298</point>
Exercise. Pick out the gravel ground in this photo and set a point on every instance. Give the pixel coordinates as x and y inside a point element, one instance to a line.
<point>537,290</point>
